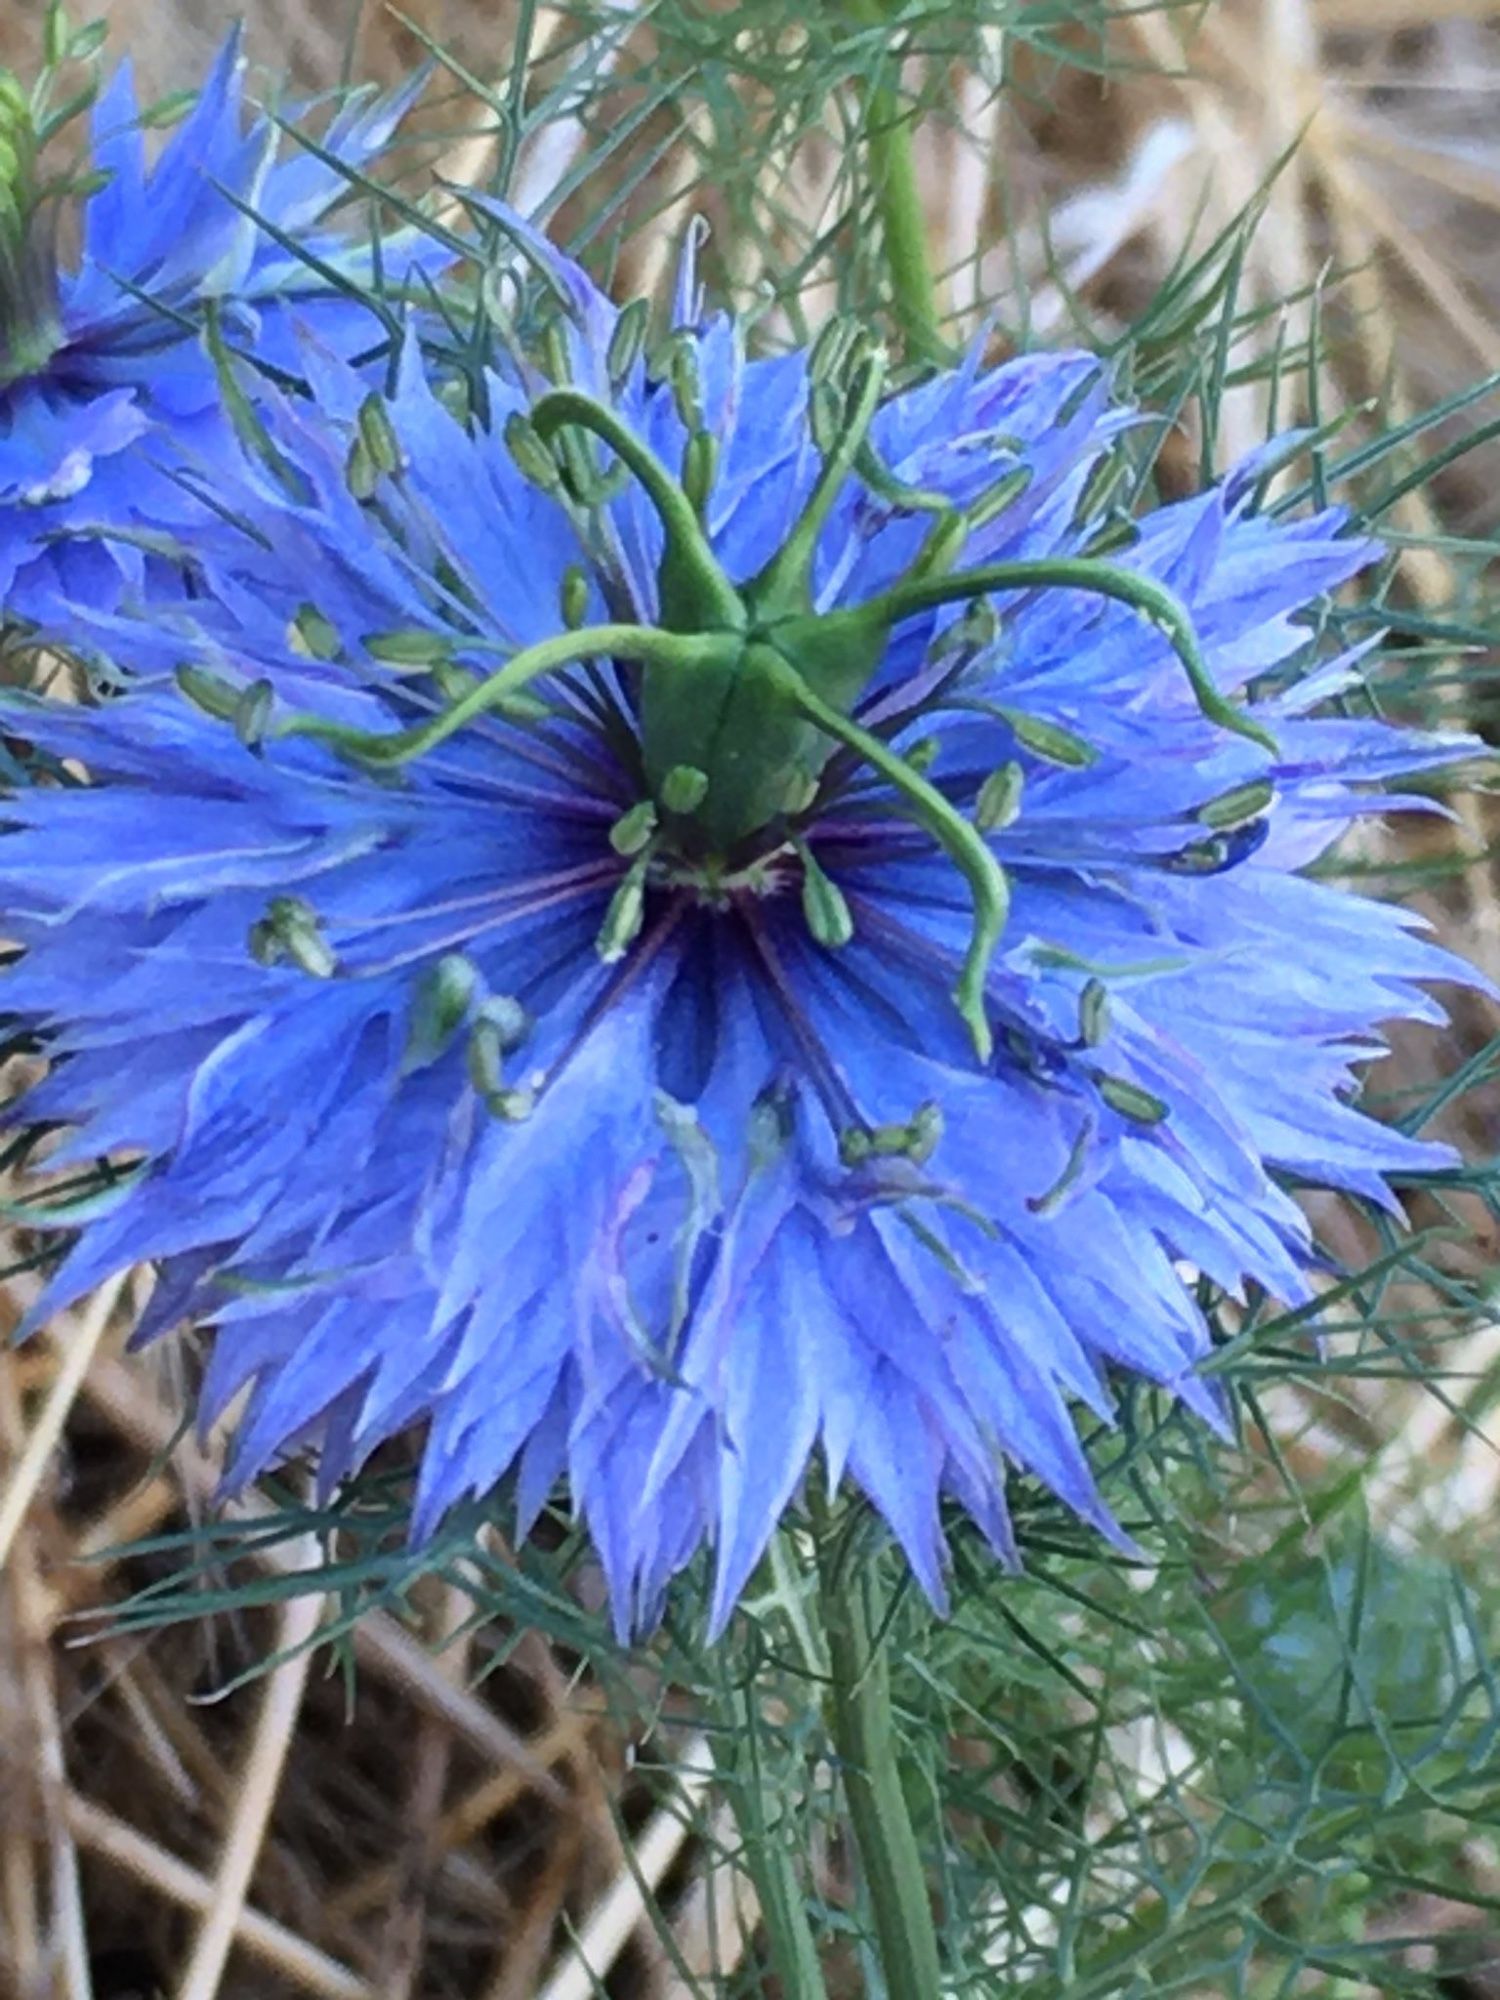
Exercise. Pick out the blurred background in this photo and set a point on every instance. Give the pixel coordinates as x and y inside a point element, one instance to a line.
<point>446,1818</point>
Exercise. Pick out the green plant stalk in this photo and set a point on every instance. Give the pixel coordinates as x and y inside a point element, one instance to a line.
<point>869,1753</point>
<point>898,200</point>
<point>766,1853</point>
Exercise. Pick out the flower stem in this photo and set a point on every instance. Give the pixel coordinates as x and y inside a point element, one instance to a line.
<point>768,1850</point>
<point>865,1737</point>
<point>898,200</point>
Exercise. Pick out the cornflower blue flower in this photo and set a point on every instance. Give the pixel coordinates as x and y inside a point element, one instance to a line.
<point>96,359</point>
<point>696,926</point>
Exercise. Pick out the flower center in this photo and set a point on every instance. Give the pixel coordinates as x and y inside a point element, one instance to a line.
<point>745,692</point>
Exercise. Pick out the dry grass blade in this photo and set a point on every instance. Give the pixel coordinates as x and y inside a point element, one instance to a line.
<point>259,1782</point>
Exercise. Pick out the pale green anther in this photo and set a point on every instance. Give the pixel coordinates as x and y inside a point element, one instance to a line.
<point>315,636</point>
<point>684,788</point>
<point>308,950</point>
<point>361,473</point>
<point>1049,740</point>
<point>408,646</point>
<point>825,412</point>
<point>440,1007</point>
<point>378,434</point>
<point>627,342</point>
<point>625,915</point>
<point>686,380</point>
<point>291,930</point>
<point>923,754</point>
<point>556,359</point>
<point>999,803</point>
<point>974,632</point>
<point>509,1020</point>
<point>1245,802</point>
<point>534,460</point>
<point>252,714</point>
<point>700,466</point>
<point>925,1132</point>
<point>825,908</point>
<point>831,349</point>
<point>454,682</point>
<point>485,1059</point>
<point>995,499</point>
<point>575,596</point>
<point>210,692</point>
<point>916,1139</point>
<point>1093,1013</point>
<point>1142,1107</point>
<point>632,831</point>
<point>1100,488</point>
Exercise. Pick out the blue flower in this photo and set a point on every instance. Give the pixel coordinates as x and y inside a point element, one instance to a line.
<point>99,362</point>
<point>574,1007</point>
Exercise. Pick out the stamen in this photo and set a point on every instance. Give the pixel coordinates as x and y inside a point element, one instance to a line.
<point>999,803</point>
<point>626,915</point>
<point>1141,1107</point>
<point>633,830</point>
<point>627,343</point>
<point>292,930</point>
<point>824,906</point>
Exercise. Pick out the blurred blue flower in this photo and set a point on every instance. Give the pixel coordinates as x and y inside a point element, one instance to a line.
<point>98,361</point>
<point>569,1061</point>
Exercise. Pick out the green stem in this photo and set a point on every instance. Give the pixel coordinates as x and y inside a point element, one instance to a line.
<point>761,1810</point>
<point>1158,605</point>
<point>898,200</point>
<point>869,1754</point>
<point>957,836</point>
<point>622,642</point>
